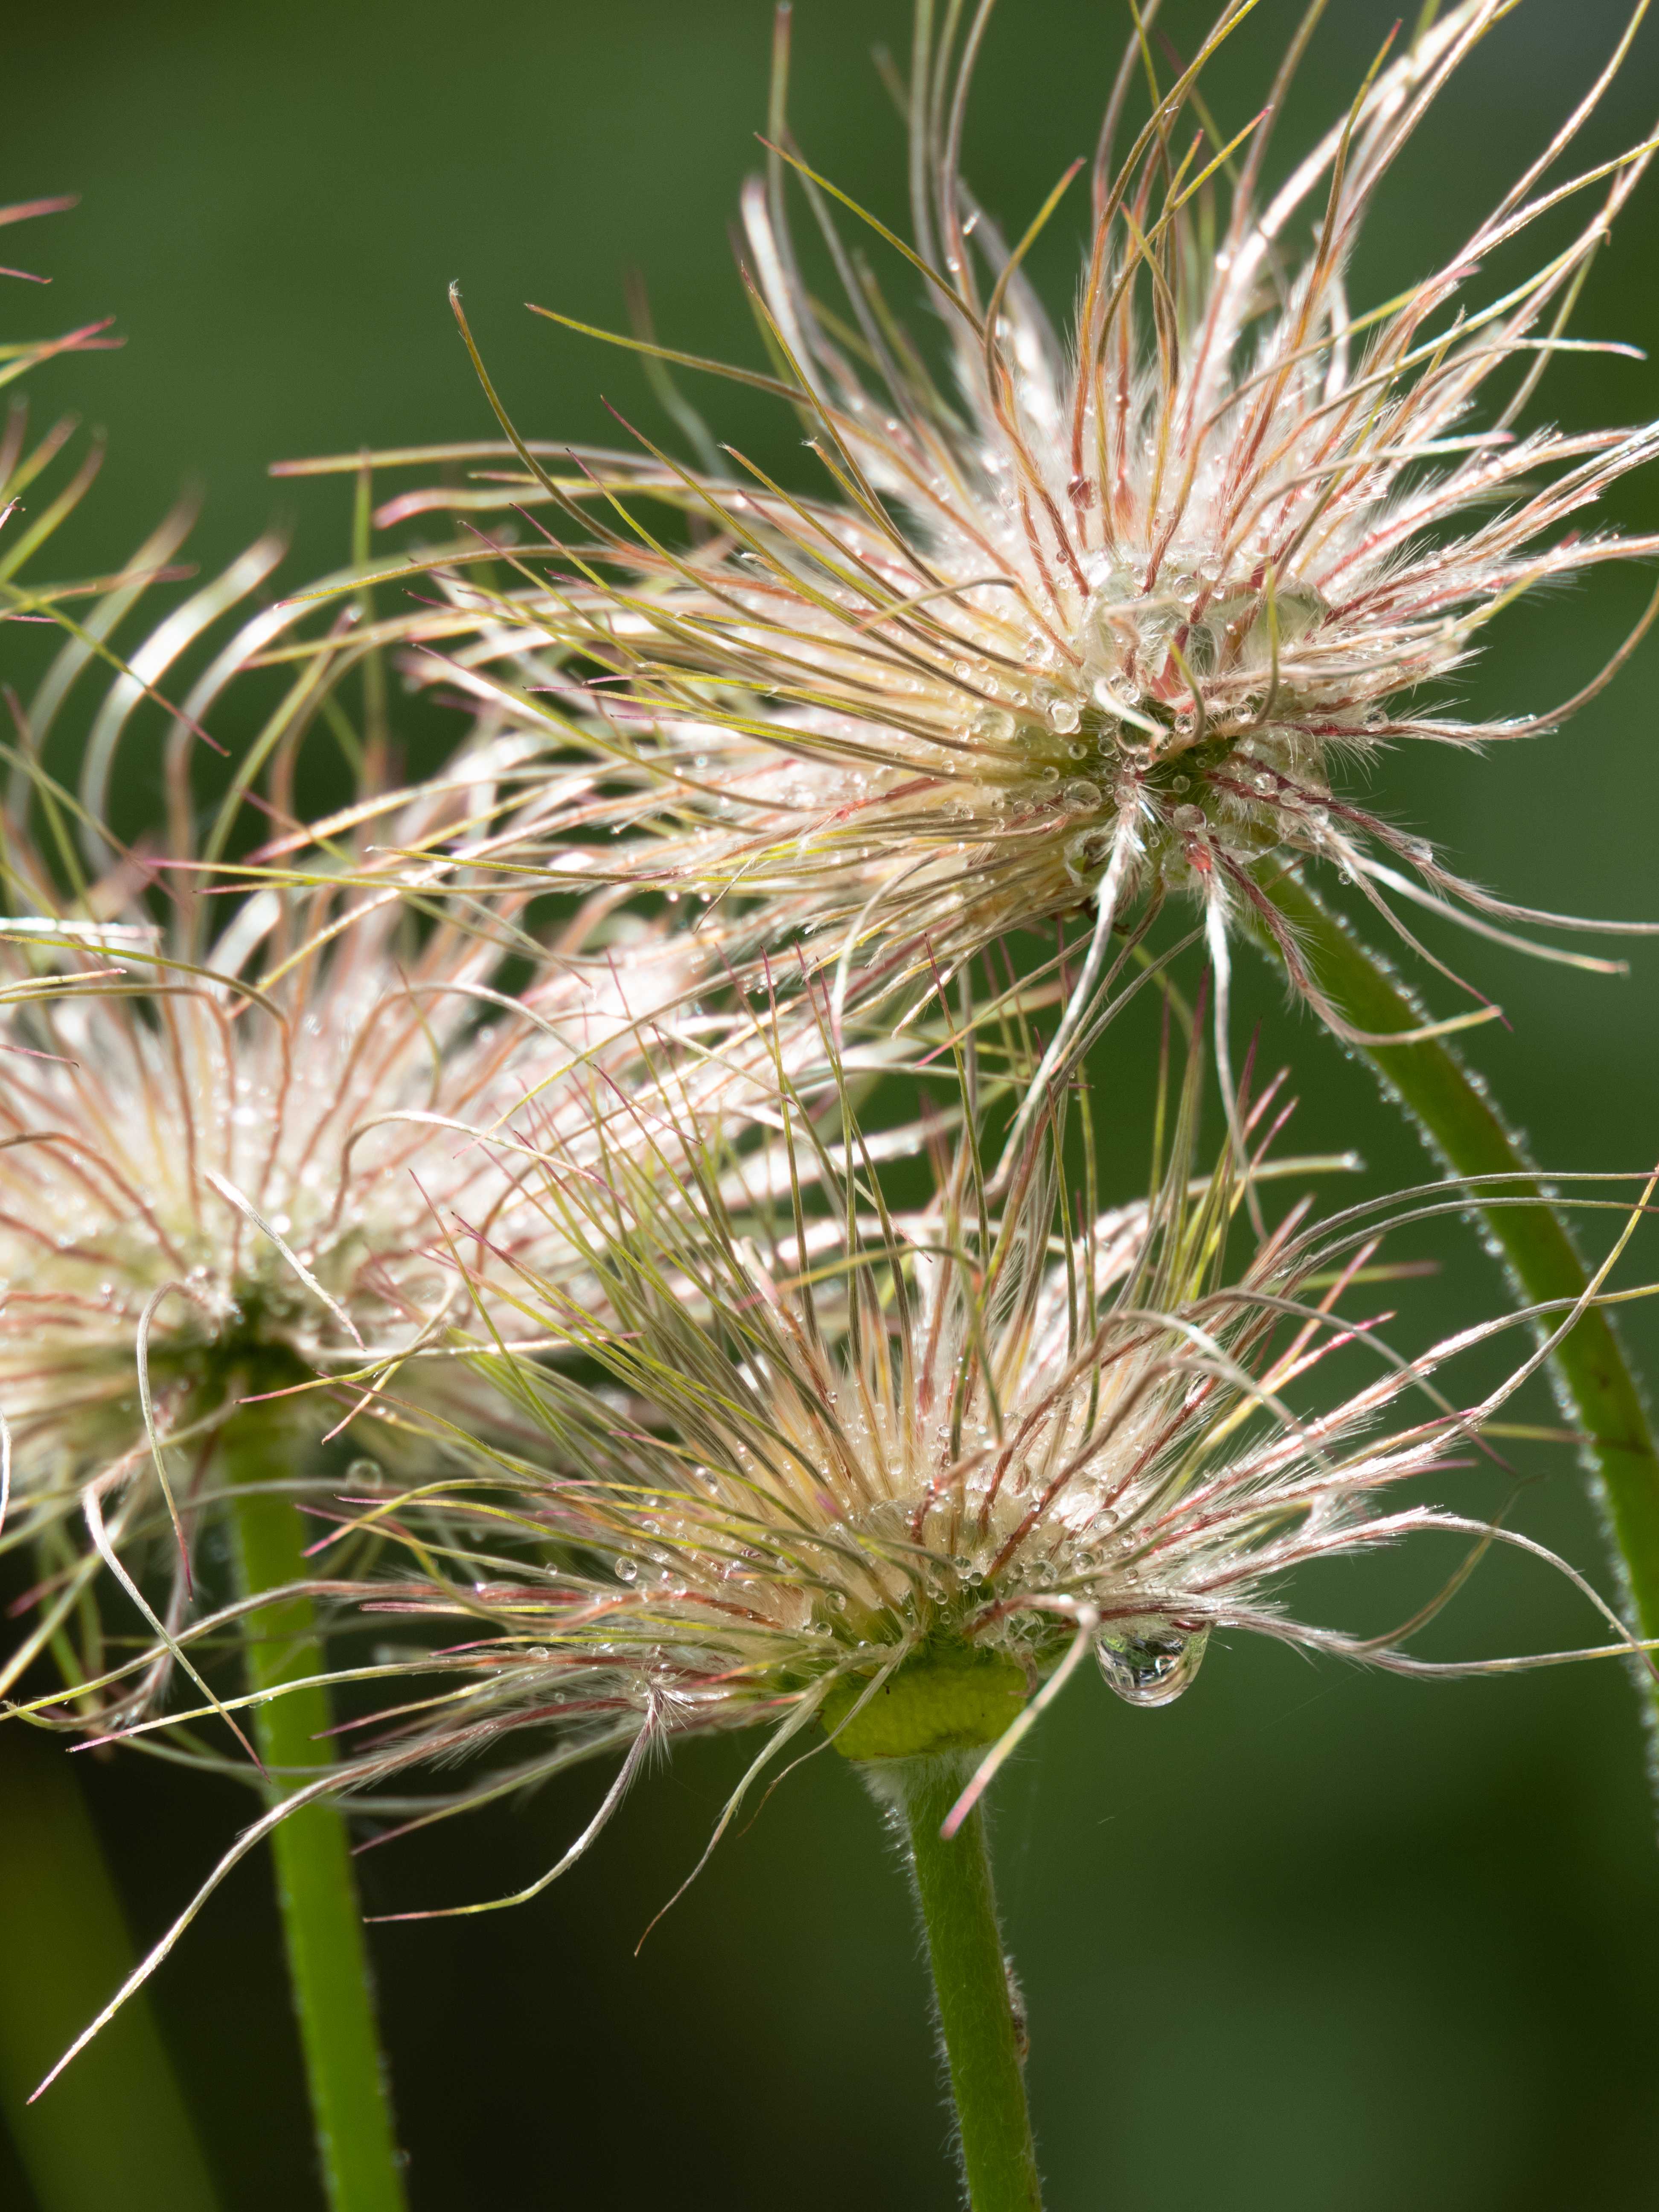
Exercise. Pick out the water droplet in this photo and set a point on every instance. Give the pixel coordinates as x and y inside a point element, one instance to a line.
<point>1151,1670</point>
<point>1189,818</point>
<point>627,1569</point>
<point>995,725</point>
<point>1418,849</point>
<point>1082,797</point>
<point>538,1651</point>
<point>1064,715</point>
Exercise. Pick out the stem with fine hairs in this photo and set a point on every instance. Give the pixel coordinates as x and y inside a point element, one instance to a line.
<point>322,1924</point>
<point>971,1985</point>
<point>1465,1129</point>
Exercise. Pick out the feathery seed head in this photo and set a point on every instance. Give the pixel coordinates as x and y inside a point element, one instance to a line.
<point>1108,619</point>
<point>235,1148</point>
<point>897,1473</point>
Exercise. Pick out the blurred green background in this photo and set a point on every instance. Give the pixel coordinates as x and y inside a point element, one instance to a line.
<point>1310,1939</point>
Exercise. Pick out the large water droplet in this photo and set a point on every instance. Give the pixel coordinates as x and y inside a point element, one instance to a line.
<point>994,724</point>
<point>1151,1670</point>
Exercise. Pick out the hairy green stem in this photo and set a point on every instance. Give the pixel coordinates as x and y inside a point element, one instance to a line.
<point>1464,1128</point>
<point>971,1984</point>
<point>322,1926</point>
<point>115,2130</point>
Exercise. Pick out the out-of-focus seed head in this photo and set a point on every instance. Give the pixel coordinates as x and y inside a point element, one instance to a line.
<point>238,1142</point>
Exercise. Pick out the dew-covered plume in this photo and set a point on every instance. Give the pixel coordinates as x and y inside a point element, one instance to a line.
<point>238,1138</point>
<point>1101,616</point>
<point>895,1474</point>
<point>518,1125</point>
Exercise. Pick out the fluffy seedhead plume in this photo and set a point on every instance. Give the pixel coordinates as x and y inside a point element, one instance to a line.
<point>1104,618</point>
<point>691,1438</point>
<point>238,1138</point>
<point>893,1474</point>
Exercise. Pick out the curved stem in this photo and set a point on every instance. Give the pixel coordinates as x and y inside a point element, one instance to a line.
<point>1464,1128</point>
<point>115,2130</point>
<point>322,1925</point>
<point>971,1985</point>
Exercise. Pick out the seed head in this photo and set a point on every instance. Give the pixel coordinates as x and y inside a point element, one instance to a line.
<point>236,1145</point>
<point>898,1473</point>
<point>1112,617</point>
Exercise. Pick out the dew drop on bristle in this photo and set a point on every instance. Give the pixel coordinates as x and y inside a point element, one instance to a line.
<point>1151,1670</point>
<point>994,724</point>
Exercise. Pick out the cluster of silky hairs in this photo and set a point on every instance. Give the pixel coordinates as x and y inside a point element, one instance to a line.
<point>623,1212</point>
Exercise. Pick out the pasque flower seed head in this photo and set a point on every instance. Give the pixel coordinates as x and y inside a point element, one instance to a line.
<point>897,1473</point>
<point>235,1144</point>
<point>1113,616</point>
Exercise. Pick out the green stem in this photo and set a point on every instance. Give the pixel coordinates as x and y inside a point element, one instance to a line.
<point>115,2130</point>
<point>1463,1126</point>
<point>971,1985</point>
<point>322,1926</point>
